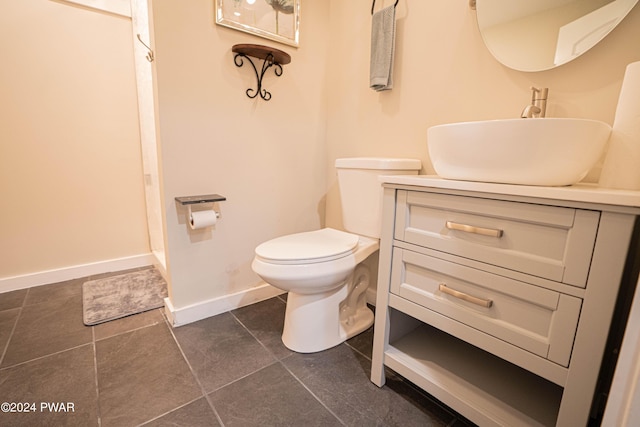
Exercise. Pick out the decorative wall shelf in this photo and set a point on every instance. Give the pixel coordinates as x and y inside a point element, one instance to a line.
<point>271,58</point>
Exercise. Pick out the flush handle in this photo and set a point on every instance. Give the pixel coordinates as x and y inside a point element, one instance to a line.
<point>475,230</point>
<point>465,297</point>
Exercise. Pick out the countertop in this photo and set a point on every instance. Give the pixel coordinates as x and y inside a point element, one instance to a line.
<point>581,192</point>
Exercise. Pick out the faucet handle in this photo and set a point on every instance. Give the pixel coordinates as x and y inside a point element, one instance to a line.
<point>538,106</point>
<point>543,92</point>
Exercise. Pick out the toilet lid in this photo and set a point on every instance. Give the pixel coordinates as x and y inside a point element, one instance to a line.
<point>313,246</point>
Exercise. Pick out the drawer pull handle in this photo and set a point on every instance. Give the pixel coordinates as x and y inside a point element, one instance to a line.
<point>466,297</point>
<point>476,230</point>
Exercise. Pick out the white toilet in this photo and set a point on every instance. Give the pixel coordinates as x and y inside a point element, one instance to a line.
<point>321,269</point>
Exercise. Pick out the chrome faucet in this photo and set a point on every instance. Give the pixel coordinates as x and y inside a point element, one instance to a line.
<point>538,106</point>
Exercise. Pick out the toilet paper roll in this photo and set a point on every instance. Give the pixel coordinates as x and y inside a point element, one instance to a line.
<point>203,219</point>
<point>621,167</point>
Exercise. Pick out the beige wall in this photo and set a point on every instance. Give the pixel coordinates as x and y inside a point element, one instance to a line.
<point>443,74</point>
<point>267,158</point>
<point>70,171</point>
<point>72,183</point>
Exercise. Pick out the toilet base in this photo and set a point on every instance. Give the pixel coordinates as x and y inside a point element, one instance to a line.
<point>318,322</point>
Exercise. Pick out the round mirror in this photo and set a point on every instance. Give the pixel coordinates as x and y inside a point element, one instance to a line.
<point>537,35</point>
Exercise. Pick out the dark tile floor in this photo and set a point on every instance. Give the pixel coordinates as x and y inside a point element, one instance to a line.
<point>231,370</point>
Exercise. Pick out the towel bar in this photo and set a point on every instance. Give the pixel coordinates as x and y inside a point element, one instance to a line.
<point>374,4</point>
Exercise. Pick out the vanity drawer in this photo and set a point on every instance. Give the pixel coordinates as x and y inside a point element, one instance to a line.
<point>535,319</point>
<point>554,243</point>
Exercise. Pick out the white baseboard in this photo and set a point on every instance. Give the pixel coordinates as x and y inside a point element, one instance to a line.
<point>208,308</point>
<point>74,272</point>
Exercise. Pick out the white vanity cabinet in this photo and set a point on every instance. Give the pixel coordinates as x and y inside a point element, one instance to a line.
<point>497,303</point>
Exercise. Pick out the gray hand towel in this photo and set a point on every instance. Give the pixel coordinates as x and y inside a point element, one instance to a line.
<point>383,37</point>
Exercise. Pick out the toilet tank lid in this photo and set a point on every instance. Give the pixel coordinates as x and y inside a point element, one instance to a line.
<point>382,163</point>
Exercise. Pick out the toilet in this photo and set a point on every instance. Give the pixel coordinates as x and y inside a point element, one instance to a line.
<point>322,270</point>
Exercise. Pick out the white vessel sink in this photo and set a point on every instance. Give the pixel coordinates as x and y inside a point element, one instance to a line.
<point>549,151</point>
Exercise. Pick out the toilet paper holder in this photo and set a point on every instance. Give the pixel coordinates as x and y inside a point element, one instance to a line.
<point>193,200</point>
<point>189,201</point>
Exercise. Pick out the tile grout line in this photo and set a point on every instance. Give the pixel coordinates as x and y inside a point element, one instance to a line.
<point>206,395</point>
<point>312,393</point>
<point>184,356</point>
<point>358,351</point>
<point>44,356</point>
<point>13,330</point>
<point>127,331</point>
<point>287,369</point>
<point>256,338</point>
<point>95,373</point>
<point>168,412</point>
<point>244,376</point>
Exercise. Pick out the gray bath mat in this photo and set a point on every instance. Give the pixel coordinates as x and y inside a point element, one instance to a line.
<point>119,296</point>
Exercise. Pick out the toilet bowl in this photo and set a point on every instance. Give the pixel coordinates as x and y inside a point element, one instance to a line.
<point>323,270</point>
<point>318,269</point>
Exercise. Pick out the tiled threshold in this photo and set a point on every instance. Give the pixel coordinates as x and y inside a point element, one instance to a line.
<point>231,370</point>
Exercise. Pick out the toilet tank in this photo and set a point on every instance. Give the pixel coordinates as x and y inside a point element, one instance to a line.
<point>361,190</point>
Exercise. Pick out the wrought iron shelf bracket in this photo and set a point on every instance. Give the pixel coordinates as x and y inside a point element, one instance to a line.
<point>270,58</point>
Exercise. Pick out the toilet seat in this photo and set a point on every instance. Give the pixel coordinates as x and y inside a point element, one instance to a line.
<point>309,247</point>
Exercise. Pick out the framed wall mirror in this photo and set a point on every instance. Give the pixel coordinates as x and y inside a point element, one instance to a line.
<point>539,35</point>
<point>277,20</point>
